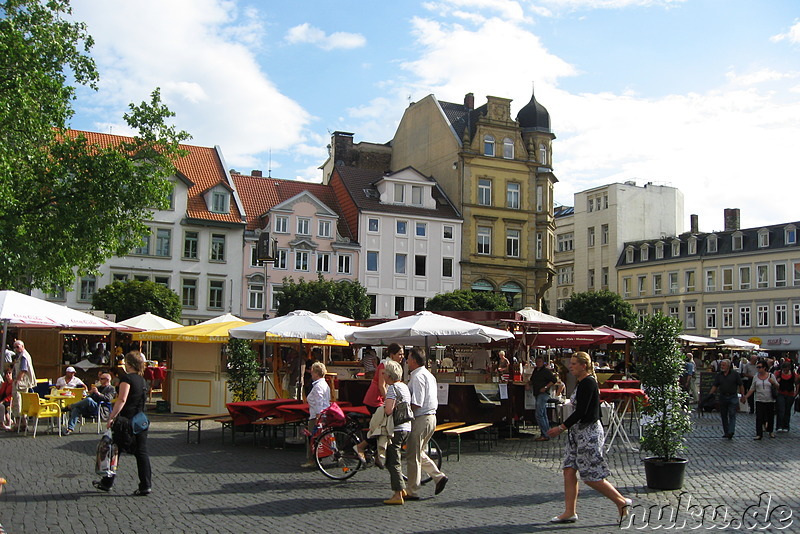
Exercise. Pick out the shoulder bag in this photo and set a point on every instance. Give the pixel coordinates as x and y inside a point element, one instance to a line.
<point>402,413</point>
<point>140,423</point>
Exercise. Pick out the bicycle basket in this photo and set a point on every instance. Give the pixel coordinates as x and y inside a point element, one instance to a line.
<point>333,416</point>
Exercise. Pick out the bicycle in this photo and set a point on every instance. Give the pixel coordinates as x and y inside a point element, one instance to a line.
<point>335,455</point>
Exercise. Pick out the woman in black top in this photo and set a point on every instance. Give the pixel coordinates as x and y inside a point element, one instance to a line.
<point>584,450</point>
<point>130,401</point>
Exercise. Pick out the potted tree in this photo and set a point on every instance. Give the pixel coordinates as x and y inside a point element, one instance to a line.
<point>665,414</point>
<point>243,370</point>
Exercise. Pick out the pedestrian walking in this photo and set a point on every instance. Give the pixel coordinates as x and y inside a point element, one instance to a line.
<point>729,384</point>
<point>765,390</point>
<point>542,379</point>
<point>787,391</point>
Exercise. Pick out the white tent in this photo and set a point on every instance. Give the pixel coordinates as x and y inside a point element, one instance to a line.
<point>333,317</point>
<point>425,328</point>
<point>294,326</point>
<point>738,344</point>
<point>540,317</point>
<point>149,321</point>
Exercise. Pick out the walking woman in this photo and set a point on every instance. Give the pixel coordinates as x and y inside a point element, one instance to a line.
<point>396,393</point>
<point>130,401</point>
<point>583,452</point>
<point>761,387</point>
<point>787,391</point>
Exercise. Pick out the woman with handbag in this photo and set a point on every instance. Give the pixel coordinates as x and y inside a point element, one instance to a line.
<point>398,406</point>
<point>125,420</point>
<point>764,387</point>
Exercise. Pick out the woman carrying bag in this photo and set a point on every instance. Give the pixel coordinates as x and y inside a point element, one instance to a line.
<point>129,424</point>
<point>398,399</point>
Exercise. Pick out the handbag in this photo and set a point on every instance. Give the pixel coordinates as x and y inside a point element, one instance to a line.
<point>140,423</point>
<point>402,413</point>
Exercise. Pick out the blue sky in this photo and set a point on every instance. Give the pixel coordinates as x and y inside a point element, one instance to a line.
<point>702,95</point>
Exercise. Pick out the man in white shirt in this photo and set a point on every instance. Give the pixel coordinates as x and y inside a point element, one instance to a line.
<point>69,380</point>
<point>318,399</point>
<point>424,402</point>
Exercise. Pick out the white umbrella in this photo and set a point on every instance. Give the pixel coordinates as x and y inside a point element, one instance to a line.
<point>149,321</point>
<point>21,310</point>
<point>226,318</point>
<point>333,317</point>
<point>540,317</point>
<point>425,328</point>
<point>296,325</point>
<point>85,365</point>
<point>738,344</point>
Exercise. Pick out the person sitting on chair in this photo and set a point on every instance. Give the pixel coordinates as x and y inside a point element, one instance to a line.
<point>91,405</point>
<point>69,380</point>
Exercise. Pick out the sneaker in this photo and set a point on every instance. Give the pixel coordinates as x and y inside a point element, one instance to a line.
<point>772,434</point>
<point>66,432</point>
<point>99,485</point>
<point>308,464</point>
<point>757,438</point>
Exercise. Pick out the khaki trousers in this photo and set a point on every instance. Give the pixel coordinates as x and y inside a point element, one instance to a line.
<point>422,428</point>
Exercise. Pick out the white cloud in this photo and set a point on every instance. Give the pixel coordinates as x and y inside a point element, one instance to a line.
<point>793,35</point>
<point>468,9</point>
<point>759,76</point>
<point>305,33</point>
<point>562,5</point>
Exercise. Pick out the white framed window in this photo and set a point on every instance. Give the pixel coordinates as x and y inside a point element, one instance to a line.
<point>275,301</point>
<point>421,229</point>
<point>711,280</point>
<point>676,248</point>
<point>673,283</point>
<point>488,145</point>
<point>281,224</point>
<point>644,253</point>
<point>254,262</point>
<point>344,264</point>
<point>323,262</point>
<point>641,285</point>
<point>543,154</point>
<point>657,287</point>
<point>659,250</point>
<point>763,238</point>
<point>604,234</point>
<point>762,315</point>
<point>400,263</point>
<point>780,275</point>
<point>190,243</point>
<point>796,314</point>
<point>796,273</point>
<point>590,278</point>
<point>372,261</point>
<point>281,258</point>
<point>590,236</point>
<point>744,316</point>
<point>401,228</point>
<point>691,317</point>
<point>416,195</point>
<point>88,286</point>
<point>512,195</point>
<point>303,226</point>
<point>691,246</point>
<point>744,277</point>
<point>189,293</point>
<point>217,247</point>
<point>447,232</point>
<point>565,275</point>
<point>324,228</point>
<point>373,225</point>
<point>216,294</point>
<point>484,240</point>
<point>512,243</point>
<point>590,204</point>
<point>711,317</point>
<point>163,242</point>
<point>255,294</point>
<point>737,241</point>
<point>447,267</point>
<point>508,148</point>
<point>399,193</point>
<point>727,317</point>
<point>762,276</point>
<point>626,287</point>
<point>144,248</point>
<point>711,243</point>
<point>629,255</point>
<point>420,265</point>
<point>790,235</point>
<point>564,242</point>
<point>727,278</point>
<point>539,198</point>
<point>219,202</point>
<point>484,192</point>
<point>780,315</point>
<point>301,260</point>
<point>691,283</point>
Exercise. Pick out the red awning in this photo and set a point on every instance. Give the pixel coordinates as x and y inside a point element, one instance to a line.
<point>581,338</point>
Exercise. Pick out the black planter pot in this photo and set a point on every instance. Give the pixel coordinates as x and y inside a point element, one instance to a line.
<point>664,475</point>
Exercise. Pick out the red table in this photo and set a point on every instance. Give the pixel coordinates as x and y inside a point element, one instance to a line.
<point>623,383</point>
<point>301,409</point>
<point>246,412</point>
<point>625,397</point>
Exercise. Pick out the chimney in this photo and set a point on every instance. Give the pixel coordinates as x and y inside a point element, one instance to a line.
<point>731,219</point>
<point>256,172</point>
<point>469,101</point>
<point>693,224</point>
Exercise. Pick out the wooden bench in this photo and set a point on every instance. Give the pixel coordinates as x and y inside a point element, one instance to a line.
<point>481,430</point>
<point>447,426</point>
<point>269,426</point>
<point>227,422</point>
<point>195,421</point>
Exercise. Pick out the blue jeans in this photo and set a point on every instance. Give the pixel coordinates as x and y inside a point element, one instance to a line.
<point>85,407</point>
<point>728,405</point>
<point>541,412</point>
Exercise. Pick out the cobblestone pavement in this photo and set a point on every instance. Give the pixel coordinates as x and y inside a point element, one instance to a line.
<point>515,488</point>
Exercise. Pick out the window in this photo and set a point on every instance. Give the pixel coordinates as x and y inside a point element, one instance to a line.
<point>711,243</point>
<point>691,246</point>
<point>484,240</point>
<point>727,317</point>
<point>711,317</point>
<point>488,145</point>
<point>416,195</point>
<point>324,228</point>
<point>163,240</point>
<point>744,277</point>
<point>796,274</point>
<point>87,288</point>
<point>629,255</point>
<point>254,262</point>
<point>508,148</point>
<point>604,234</point>
<point>275,301</point>
<point>372,225</point>
<point>400,263</point>
<point>219,202</point>
<point>657,288</point>
<point>796,309</point>
<point>217,247</point>
<point>676,249</point>
<point>780,275</point>
<point>604,278</point>
<point>763,239</point>
<point>543,154</point>
<point>118,277</point>
<point>690,317</point>
<point>727,278</point>
<point>690,281</point>
<point>564,242</point>
<point>189,293</point>
<point>641,284</point>
<point>484,192</point>
<point>672,311</point>
<point>344,264</point>
<point>565,275</point>
<point>141,278</point>
<point>512,195</point>
<point>539,198</point>
<point>372,261</point>
<point>399,193</point>
<point>744,316</point>
<point>762,315</point>
<point>605,202</point>
<point>144,248</point>
<point>420,263</point>
<point>644,253</point>
<point>659,251</point>
<point>373,304</point>
<point>419,303</point>
<point>399,305</point>
<point>216,290</point>
<point>512,243</point>
<point>303,226</point>
<point>421,229</point>
<point>711,280</point>
<point>790,235</point>
<point>539,246</point>
<point>447,232</point>
<point>281,258</point>
<point>673,283</point>
<point>301,260</point>
<point>255,294</point>
<point>762,276</point>
<point>281,224</point>
<point>626,287</point>
<point>590,278</point>
<point>737,241</point>
<point>447,267</point>
<point>590,236</point>
<point>590,204</point>
<point>323,262</point>
<point>780,315</point>
<point>190,240</point>
<point>402,227</point>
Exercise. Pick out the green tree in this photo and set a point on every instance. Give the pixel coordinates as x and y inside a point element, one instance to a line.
<point>342,298</point>
<point>599,308</point>
<point>68,203</point>
<point>243,370</point>
<point>468,300</point>
<point>132,298</point>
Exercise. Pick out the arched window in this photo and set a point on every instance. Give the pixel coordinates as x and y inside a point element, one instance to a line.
<point>543,154</point>
<point>508,148</point>
<point>482,285</point>
<point>488,145</point>
<point>512,291</point>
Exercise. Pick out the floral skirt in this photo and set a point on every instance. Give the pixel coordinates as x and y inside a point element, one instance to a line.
<point>584,451</point>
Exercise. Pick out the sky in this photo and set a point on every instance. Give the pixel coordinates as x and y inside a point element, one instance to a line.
<point>701,95</point>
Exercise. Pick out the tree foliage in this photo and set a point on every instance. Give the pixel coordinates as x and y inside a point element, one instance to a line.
<point>468,300</point>
<point>132,298</point>
<point>599,308</point>
<point>342,298</point>
<point>666,418</point>
<point>68,203</point>
<point>243,370</point>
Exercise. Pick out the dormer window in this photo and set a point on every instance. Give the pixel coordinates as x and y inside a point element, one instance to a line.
<point>220,202</point>
<point>416,195</point>
<point>659,250</point>
<point>645,252</point>
<point>763,238</point>
<point>399,193</point>
<point>488,145</point>
<point>711,243</point>
<point>691,246</point>
<point>737,241</point>
<point>629,255</point>
<point>676,248</point>
<point>508,148</point>
<point>790,235</point>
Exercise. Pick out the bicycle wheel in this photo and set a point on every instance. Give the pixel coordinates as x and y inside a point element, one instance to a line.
<point>434,453</point>
<point>334,454</point>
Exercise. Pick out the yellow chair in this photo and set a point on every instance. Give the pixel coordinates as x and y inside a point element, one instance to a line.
<point>33,406</point>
